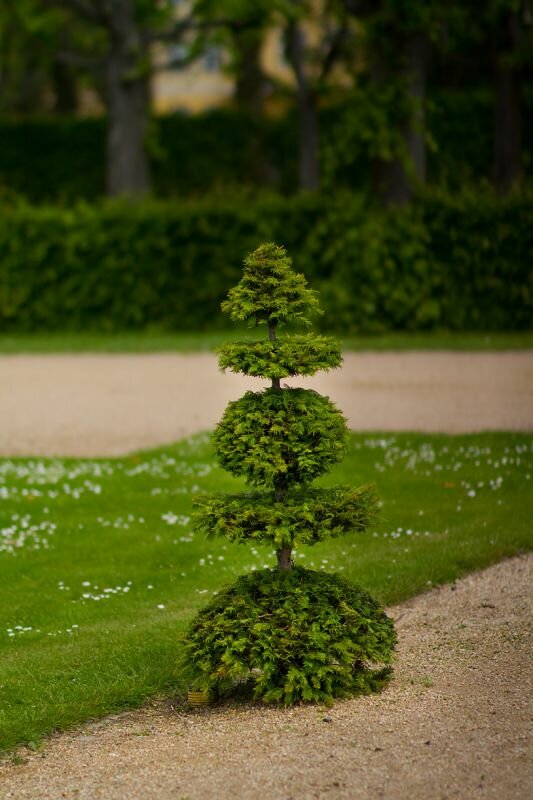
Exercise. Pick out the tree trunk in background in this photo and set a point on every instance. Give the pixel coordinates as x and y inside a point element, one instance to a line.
<point>127,90</point>
<point>251,90</point>
<point>417,55</point>
<point>65,92</point>
<point>308,159</point>
<point>507,112</point>
<point>250,87</point>
<point>394,180</point>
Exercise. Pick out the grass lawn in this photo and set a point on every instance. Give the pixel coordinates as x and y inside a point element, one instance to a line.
<point>190,342</point>
<point>100,570</point>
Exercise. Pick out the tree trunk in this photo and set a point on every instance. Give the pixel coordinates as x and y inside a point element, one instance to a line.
<point>284,559</point>
<point>251,90</point>
<point>507,113</point>
<point>394,180</point>
<point>65,93</point>
<point>308,131</point>
<point>128,167</point>
<point>417,55</point>
<point>250,83</point>
<point>309,167</point>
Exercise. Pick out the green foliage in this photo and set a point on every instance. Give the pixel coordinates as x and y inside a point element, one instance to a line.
<point>280,438</point>
<point>281,358</point>
<point>63,162</point>
<point>295,636</point>
<point>448,262</point>
<point>270,291</point>
<point>457,262</point>
<point>301,518</point>
<point>125,649</point>
<point>63,159</point>
<point>120,266</point>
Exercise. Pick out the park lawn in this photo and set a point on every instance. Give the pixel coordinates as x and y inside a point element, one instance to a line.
<point>152,342</point>
<point>100,569</point>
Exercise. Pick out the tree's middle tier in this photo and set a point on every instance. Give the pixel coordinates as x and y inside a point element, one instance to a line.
<point>304,517</point>
<point>293,355</point>
<point>280,438</point>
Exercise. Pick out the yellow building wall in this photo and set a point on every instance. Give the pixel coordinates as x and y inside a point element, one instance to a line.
<point>200,86</point>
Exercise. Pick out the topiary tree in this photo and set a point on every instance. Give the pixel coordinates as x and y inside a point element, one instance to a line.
<point>292,633</point>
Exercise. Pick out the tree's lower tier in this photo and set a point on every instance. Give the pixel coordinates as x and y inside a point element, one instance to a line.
<point>305,517</point>
<point>293,637</point>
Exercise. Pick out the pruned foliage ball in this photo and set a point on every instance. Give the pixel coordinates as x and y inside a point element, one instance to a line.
<point>302,518</point>
<point>295,636</point>
<point>293,355</point>
<point>275,438</point>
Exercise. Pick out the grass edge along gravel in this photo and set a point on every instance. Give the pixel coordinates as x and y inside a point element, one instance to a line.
<point>100,569</point>
<point>183,342</point>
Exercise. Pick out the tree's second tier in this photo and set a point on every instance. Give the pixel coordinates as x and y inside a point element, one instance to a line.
<point>305,517</point>
<point>280,438</point>
<point>293,355</point>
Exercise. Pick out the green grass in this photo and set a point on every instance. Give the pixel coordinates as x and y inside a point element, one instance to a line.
<point>190,342</point>
<point>450,505</point>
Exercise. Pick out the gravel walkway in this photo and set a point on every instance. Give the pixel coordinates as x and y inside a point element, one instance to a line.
<point>453,724</point>
<point>99,405</point>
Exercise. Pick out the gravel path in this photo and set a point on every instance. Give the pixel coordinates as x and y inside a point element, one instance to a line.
<point>99,405</point>
<point>453,724</point>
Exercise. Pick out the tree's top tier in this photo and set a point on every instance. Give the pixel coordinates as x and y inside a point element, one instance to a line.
<point>270,292</point>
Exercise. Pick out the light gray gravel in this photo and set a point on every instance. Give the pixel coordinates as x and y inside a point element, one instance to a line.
<point>455,723</point>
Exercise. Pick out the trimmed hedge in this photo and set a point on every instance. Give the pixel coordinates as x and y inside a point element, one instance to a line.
<point>62,160</point>
<point>459,263</point>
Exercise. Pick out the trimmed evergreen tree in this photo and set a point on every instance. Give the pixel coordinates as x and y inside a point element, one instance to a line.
<point>292,633</point>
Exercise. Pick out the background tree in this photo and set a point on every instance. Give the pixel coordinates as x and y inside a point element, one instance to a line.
<point>109,40</point>
<point>295,634</point>
<point>38,73</point>
<point>316,35</point>
<point>511,23</point>
<point>239,28</point>
<point>396,38</point>
<point>125,27</point>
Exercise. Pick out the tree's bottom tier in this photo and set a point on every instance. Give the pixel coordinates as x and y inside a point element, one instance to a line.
<point>300,518</point>
<point>289,637</point>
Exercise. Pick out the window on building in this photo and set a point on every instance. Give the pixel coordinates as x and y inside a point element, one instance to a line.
<point>177,54</point>
<point>212,59</point>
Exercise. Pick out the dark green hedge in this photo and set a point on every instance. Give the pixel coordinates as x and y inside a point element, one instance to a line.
<point>460,263</point>
<point>60,160</point>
